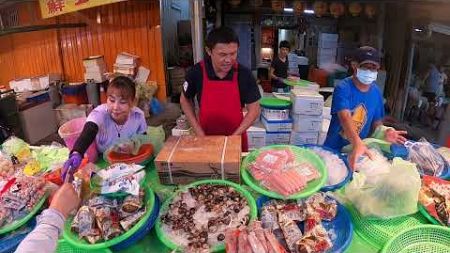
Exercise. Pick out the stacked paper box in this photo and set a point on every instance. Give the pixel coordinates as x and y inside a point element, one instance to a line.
<point>126,64</point>
<point>327,49</point>
<point>95,68</point>
<point>256,136</point>
<point>35,83</point>
<point>307,113</point>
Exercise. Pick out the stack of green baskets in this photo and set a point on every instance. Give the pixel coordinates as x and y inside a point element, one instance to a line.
<point>422,238</point>
<point>301,154</point>
<point>377,232</point>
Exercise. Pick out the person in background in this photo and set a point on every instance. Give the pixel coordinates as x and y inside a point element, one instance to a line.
<point>357,109</point>
<point>279,68</point>
<point>443,79</point>
<point>222,87</point>
<point>50,224</point>
<point>432,80</point>
<point>118,119</point>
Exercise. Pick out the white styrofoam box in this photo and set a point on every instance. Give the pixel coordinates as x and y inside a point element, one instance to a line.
<point>46,80</point>
<point>326,52</point>
<point>322,138</point>
<point>325,125</point>
<point>181,132</point>
<point>275,114</point>
<point>313,87</point>
<point>278,125</point>
<point>97,77</point>
<point>329,36</point>
<point>302,138</point>
<point>326,112</point>
<point>306,103</point>
<point>328,40</point>
<point>96,68</point>
<point>273,138</point>
<point>306,123</point>
<point>256,135</point>
<point>21,85</point>
<point>96,60</point>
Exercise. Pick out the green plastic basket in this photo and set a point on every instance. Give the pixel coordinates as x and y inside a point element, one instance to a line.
<point>73,239</point>
<point>377,232</point>
<point>422,238</point>
<point>274,103</point>
<point>17,224</point>
<point>64,247</point>
<point>425,213</point>
<point>301,82</point>
<point>301,154</point>
<point>221,247</point>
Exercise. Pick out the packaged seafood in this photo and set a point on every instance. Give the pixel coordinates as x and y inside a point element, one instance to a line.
<point>19,197</point>
<point>103,218</point>
<point>278,170</point>
<point>120,177</point>
<point>252,238</point>
<point>435,197</point>
<point>198,218</point>
<point>308,214</point>
<point>427,158</point>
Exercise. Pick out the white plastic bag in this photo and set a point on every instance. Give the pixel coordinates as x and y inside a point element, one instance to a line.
<point>385,194</point>
<point>427,158</point>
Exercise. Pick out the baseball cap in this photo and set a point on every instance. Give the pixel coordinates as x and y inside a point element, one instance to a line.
<point>367,55</point>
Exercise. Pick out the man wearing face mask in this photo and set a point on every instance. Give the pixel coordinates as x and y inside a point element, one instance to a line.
<point>357,108</point>
<point>222,88</point>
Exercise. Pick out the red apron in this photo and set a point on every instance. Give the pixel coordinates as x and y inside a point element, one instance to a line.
<point>220,106</point>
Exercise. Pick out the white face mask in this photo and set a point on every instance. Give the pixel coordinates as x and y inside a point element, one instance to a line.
<point>366,76</point>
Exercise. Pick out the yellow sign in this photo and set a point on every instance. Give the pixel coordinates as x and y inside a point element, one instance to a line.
<point>51,8</point>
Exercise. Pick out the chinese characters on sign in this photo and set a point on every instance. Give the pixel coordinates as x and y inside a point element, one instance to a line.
<point>51,8</point>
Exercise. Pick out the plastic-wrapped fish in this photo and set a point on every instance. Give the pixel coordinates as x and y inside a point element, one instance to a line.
<point>291,232</point>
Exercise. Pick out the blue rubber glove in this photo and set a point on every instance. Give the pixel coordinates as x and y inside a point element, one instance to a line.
<point>71,165</point>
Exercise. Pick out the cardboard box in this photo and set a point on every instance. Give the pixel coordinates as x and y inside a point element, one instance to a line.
<point>302,138</point>
<point>277,125</point>
<point>186,159</point>
<point>273,138</point>
<point>256,135</point>
<point>306,103</point>
<point>306,123</point>
<point>322,138</point>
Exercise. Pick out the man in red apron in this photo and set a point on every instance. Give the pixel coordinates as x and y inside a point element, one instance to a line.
<point>222,87</point>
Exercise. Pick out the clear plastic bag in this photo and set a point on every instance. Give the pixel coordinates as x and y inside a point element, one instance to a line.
<point>427,158</point>
<point>130,146</point>
<point>385,194</point>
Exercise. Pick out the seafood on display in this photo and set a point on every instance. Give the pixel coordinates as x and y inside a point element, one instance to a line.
<point>279,171</point>
<point>198,218</point>
<point>102,218</point>
<point>6,167</point>
<point>337,170</point>
<point>283,218</point>
<point>253,238</point>
<point>19,197</point>
<point>435,197</point>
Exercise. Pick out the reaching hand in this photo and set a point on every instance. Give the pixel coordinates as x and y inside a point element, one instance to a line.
<point>393,136</point>
<point>359,149</point>
<point>71,165</point>
<point>65,200</point>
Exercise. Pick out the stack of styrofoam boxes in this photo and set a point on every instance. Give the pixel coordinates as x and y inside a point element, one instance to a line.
<point>278,125</point>
<point>35,83</point>
<point>126,64</point>
<point>256,136</point>
<point>325,125</point>
<point>327,49</point>
<point>293,60</point>
<point>95,68</point>
<point>307,109</point>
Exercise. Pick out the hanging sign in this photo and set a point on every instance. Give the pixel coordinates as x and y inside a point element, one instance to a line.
<point>51,8</point>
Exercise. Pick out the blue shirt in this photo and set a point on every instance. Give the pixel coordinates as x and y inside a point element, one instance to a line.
<point>365,108</point>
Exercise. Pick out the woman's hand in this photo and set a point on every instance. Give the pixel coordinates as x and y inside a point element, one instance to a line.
<point>359,149</point>
<point>65,200</point>
<point>71,165</point>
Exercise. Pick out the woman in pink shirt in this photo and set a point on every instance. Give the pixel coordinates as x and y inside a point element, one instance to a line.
<point>118,119</point>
